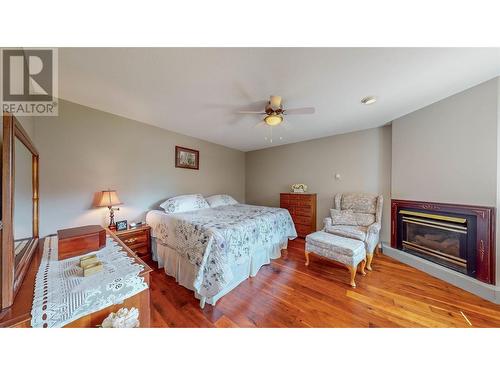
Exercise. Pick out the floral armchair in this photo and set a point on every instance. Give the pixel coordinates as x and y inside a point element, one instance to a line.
<point>357,216</point>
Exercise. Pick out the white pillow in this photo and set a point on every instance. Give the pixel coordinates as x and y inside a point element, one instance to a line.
<point>221,200</point>
<point>183,203</point>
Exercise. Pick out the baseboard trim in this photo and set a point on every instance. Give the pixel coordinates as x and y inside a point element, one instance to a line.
<point>486,291</point>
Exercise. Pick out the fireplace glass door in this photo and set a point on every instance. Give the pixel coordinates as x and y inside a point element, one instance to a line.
<point>438,238</point>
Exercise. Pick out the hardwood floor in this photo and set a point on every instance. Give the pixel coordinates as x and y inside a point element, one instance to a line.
<point>288,294</point>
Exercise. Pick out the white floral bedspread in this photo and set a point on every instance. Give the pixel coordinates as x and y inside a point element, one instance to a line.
<point>214,238</point>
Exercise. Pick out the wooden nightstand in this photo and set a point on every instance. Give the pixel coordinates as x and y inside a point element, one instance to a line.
<point>137,239</point>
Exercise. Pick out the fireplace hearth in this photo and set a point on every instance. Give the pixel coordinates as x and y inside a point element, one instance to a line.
<point>455,236</point>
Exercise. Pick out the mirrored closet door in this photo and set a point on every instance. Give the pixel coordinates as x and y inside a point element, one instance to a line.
<point>19,232</point>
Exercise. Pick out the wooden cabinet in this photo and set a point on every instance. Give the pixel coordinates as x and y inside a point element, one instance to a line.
<point>302,208</point>
<point>140,300</point>
<point>137,239</point>
<point>19,314</point>
<point>80,240</point>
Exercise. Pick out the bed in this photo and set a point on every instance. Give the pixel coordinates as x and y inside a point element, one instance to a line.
<point>212,250</point>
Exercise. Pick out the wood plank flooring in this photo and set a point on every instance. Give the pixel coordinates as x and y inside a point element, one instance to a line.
<point>286,293</point>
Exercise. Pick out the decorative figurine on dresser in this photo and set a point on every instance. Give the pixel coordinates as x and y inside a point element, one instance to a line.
<point>302,208</point>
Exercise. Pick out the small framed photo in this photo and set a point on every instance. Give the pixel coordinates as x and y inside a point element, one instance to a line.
<point>187,158</point>
<point>121,225</point>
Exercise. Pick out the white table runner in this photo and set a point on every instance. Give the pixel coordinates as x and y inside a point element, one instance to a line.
<point>63,295</point>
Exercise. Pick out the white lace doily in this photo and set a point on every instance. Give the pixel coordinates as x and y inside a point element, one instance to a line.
<point>63,295</point>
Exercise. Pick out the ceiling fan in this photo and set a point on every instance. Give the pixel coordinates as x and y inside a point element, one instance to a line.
<point>275,112</point>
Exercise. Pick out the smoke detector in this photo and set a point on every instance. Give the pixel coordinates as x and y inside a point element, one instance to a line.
<point>368,100</point>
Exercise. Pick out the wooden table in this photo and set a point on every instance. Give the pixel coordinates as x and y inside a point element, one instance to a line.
<point>19,314</point>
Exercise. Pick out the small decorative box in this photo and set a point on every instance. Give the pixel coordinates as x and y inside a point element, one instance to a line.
<point>88,259</point>
<point>80,240</point>
<point>92,268</point>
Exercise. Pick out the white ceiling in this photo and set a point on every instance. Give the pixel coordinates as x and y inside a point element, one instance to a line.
<point>197,91</point>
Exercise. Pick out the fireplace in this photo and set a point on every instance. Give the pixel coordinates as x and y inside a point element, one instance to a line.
<point>445,239</point>
<point>455,236</point>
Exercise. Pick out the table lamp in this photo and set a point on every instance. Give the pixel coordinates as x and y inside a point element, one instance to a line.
<point>109,198</point>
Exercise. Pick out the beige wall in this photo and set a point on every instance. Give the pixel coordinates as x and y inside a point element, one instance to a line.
<point>83,151</point>
<point>363,159</point>
<point>447,152</point>
<point>28,124</point>
<point>498,190</point>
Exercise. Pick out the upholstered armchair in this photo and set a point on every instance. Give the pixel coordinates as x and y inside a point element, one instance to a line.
<point>357,216</point>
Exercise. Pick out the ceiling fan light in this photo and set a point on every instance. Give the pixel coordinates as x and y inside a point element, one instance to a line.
<point>273,120</point>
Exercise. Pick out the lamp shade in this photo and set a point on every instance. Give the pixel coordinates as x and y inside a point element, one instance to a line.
<point>109,198</point>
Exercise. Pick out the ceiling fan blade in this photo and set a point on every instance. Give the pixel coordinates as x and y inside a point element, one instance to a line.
<point>259,124</point>
<point>252,112</point>
<point>299,111</point>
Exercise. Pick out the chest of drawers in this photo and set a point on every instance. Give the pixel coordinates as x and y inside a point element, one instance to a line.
<point>302,208</point>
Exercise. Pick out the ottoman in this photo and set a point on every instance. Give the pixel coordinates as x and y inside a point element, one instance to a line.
<point>347,251</point>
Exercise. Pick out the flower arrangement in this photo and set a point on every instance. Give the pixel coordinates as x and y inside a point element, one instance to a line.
<point>299,188</point>
<point>123,318</point>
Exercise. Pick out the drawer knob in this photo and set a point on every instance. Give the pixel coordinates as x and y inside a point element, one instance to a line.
<point>131,240</point>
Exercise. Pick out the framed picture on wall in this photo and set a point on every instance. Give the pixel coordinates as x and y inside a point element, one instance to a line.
<point>187,158</point>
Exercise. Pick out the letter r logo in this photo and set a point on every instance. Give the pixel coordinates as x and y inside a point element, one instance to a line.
<point>27,75</point>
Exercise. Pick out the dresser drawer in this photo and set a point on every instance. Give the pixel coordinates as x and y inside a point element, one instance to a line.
<point>303,211</point>
<point>301,220</point>
<point>133,239</point>
<point>137,239</point>
<point>305,203</point>
<point>303,230</point>
<point>140,249</point>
